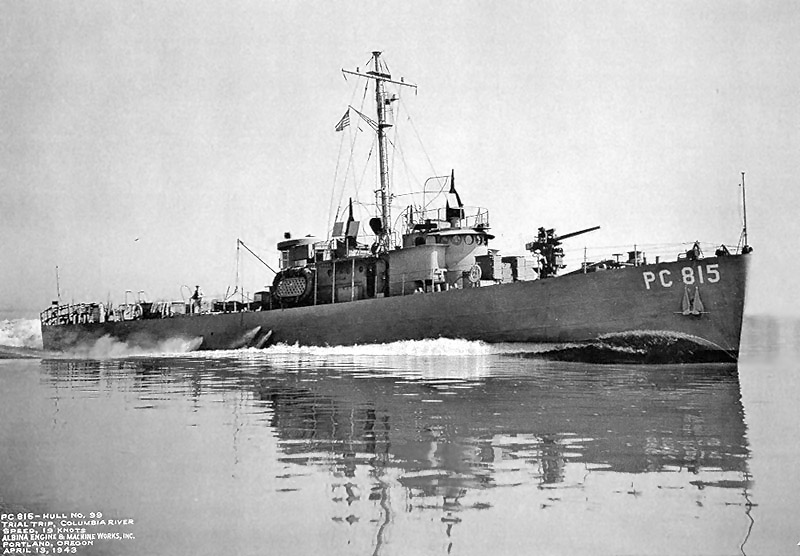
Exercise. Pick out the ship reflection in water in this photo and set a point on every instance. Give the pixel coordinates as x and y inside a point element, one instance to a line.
<point>345,452</point>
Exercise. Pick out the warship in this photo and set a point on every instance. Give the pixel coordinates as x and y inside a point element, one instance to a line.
<point>432,273</point>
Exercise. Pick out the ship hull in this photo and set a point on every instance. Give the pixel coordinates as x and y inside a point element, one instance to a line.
<point>646,299</point>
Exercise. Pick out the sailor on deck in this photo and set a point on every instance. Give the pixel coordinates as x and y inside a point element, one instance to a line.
<point>196,298</point>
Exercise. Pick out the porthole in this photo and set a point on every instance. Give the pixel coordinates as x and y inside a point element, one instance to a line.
<point>456,240</point>
<point>469,240</point>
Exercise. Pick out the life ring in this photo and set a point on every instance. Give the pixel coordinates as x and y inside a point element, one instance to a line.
<point>131,312</point>
<point>456,240</point>
<point>474,274</point>
<point>469,240</point>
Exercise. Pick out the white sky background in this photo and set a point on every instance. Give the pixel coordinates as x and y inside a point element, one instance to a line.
<point>188,125</point>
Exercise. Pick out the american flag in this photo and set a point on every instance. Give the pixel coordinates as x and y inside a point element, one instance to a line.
<point>344,122</point>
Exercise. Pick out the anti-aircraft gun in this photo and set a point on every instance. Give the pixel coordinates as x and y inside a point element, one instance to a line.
<point>548,247</point>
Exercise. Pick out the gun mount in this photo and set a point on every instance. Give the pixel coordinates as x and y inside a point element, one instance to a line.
<point>550,254</point>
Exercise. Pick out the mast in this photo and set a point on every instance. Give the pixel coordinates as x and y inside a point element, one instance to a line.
<point>384,193</point>
<point>386,205</point>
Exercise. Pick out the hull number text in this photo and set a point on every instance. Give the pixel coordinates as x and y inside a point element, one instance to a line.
<point>688,276</point>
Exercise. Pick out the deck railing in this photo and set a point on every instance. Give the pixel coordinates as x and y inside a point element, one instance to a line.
<point>74,313</point>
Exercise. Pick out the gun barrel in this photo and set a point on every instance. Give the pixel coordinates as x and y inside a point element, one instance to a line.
<point>573,234</point>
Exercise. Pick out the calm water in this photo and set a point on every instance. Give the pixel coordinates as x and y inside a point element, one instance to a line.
<point>421,448</point>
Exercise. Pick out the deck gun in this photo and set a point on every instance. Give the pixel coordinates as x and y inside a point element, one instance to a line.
<point>547,247</point>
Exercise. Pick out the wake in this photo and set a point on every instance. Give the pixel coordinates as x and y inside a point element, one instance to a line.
<point>22,339</point>
<point>20,333</point>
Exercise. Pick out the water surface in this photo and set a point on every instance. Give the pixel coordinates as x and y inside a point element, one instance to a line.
<point>420,448</point>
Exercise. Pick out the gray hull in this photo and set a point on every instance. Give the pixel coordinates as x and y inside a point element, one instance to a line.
<point>647,299</point>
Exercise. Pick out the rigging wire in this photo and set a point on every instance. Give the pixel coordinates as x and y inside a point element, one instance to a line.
<point>419,139</point>
<point>238,273</point>
<point>243,244</point>
<point>336,171</point>
<point>433,171</point>
<point>333,189</point>
<point>358,182</point>
<point>741,243</point>
<point>228,292</point>
<point>354,137</point>
<point>397,154</point>
<point>395,142</point>
<point>241,275</point>
<point>399,151</point>
<point>441,189</point>
<point>366,167</point>
<point>351,166</point>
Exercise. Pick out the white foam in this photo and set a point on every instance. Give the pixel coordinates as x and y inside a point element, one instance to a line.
<point>111,348</point>
<point>21,333</point>
<point>418,348</point>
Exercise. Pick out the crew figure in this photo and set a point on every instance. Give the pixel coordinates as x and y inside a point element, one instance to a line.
<point>196,297</point>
